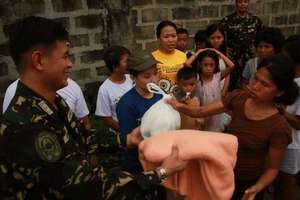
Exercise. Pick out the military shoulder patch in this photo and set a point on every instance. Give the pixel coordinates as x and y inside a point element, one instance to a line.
<point>48,146</point>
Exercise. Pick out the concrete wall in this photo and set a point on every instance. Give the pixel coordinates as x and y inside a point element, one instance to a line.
<point>96,24</point>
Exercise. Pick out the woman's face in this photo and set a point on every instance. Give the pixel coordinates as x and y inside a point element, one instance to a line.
<point>168,39</point>
<point>216,39</point>
<point>262,87</point>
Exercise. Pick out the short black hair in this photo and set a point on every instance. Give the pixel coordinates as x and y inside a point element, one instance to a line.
<point>112,56</point>
<point>281,69</point>
<point>163,24</point>
<point>207,53</point>
<point>200,37</point>
<point>182,31</point>
<point>270,35</point>
<point>186,73</point>
<point>292,47</point>
<point>25,34</point>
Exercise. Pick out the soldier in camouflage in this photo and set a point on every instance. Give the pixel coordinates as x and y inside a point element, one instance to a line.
<point>45,153</point>
<point>240,31</point>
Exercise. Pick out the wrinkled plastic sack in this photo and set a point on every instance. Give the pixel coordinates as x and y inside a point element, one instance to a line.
<point>160,116</point>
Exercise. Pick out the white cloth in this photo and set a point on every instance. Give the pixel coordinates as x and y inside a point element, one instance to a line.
<point>222,67</point>
<point>291,159</point>
<point>250,68</point>
<point>9,95</point>
<point>72,94</point>
<point>295,109</point>
<point>109,94</point>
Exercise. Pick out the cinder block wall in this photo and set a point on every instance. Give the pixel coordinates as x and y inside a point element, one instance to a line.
<point>96,24</point>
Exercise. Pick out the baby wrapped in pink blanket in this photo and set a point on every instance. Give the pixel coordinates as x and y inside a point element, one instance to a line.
<point>212,157</point>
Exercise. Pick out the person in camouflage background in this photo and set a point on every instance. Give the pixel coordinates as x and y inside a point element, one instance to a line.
<point>240,30</point>
<point>45,153</point>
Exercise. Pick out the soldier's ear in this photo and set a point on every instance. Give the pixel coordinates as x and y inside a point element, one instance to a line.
<point>37,60</point>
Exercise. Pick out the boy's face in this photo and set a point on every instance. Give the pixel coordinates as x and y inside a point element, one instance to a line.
<point>122,67</point>
<point>188,85</point>
<point>265,50</point>
<point>143,78</point>
<point>200,45</point>
<point>182,41</point>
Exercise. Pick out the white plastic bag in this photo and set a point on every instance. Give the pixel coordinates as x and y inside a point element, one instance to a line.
<point>160,116</point>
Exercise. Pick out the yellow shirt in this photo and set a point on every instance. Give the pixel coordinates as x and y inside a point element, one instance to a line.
<point>169,66</point>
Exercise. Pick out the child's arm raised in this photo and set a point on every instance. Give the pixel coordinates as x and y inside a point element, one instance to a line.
<point>228,62</point>
<point>193,57</point>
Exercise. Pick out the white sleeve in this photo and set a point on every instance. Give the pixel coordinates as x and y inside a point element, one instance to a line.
<point>9,95</point>
<point>103,107</point>
<point>298,106</point>
<point>222,65</point>
<point>81,110</point>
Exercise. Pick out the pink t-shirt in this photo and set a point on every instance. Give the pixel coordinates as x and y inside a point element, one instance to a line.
<point>210,91</point>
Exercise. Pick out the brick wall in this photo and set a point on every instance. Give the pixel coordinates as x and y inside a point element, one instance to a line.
<point>95,24</point>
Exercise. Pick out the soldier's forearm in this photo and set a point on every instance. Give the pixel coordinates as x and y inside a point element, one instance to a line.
<point>147,180</point>
<point>107,142</point>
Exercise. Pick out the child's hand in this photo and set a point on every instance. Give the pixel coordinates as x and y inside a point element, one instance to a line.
<point>200,51</point>
<point>215,50</point>
<point>186,98</point>
<point>134,138</point>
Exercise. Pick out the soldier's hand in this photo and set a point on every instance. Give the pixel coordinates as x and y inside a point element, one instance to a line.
<point>173,163</point>
<point>134,138</point>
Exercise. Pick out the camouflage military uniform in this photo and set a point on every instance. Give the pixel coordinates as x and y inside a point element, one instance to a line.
<point>240,33</point>
<point>44,154</point>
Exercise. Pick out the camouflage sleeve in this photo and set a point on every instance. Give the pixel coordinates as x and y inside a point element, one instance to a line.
<point>106,142</point>
<point>120,184</point>
<point>98,141</point>
<point>95,141</point>
<point>37,158</point>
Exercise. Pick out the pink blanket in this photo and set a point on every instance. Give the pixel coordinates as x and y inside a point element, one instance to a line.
<point>209,173</point>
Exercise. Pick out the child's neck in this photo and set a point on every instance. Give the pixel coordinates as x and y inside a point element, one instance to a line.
<point>146,95</point>
<point>206,78</point>
<point>117,78</point>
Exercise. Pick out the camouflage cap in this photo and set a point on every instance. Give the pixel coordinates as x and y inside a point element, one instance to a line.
<point>139,63</point>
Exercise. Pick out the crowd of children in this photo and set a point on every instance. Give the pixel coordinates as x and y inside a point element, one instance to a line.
<point>196,79</point>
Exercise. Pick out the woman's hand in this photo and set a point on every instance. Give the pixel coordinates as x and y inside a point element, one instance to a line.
<point>250,193</point>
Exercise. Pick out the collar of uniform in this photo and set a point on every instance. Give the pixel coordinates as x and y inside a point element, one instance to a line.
<point>60,102</point>
<point>237,16</point>
<point>25,91</point>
